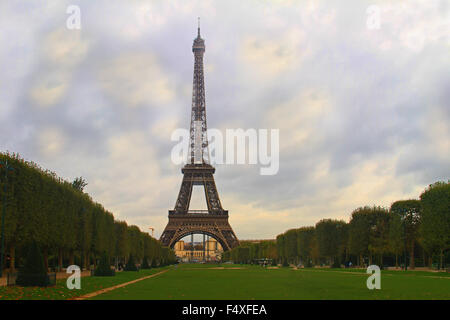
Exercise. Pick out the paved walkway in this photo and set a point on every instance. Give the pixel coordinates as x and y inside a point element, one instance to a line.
<point>96,293</point>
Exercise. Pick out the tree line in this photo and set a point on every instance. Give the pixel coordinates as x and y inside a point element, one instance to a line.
<point>68,226</point>
<point>409,231</point>
<point>249,251</point>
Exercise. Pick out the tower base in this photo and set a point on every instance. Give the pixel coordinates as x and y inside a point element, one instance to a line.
<point>200,222</point>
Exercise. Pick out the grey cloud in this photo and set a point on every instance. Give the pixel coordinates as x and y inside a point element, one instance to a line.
<point>381,99</point>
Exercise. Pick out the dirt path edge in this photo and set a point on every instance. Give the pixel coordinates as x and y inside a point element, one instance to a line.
<point>96,293</point>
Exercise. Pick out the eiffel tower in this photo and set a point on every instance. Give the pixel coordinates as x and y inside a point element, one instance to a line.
<point>214,221</point>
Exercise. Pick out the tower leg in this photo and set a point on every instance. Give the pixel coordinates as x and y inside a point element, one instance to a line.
<point>192,247</point>
<point>204,258</point>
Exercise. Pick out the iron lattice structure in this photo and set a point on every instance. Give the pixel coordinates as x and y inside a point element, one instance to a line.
<point>198,171</point>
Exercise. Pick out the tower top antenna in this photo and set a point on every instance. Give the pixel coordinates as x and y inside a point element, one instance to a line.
<point>198,27</point>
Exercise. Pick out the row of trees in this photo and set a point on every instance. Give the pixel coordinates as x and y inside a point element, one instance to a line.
<point>373,235</point>
<point>65,222</point>
<point>249,251</point>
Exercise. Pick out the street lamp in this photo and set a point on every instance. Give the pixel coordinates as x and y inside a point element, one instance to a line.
<point>3,163</point>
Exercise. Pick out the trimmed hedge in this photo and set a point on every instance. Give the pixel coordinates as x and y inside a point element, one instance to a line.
<point>104,268</point>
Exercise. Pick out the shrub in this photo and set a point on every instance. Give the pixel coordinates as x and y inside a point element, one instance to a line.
<point>104,268</point>
<point>308,264</point>
<point>33,272</point>
<point>131,265</point>
<point>336,264</point>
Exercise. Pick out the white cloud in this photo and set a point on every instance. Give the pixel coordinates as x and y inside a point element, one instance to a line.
<point>299,118</point>
<point>62,50</point>
<point>130,182</point>
<point>374,182</point>
<point>269,57</point>
<point>410,26</point>
<point>65,48</point>
<point>361,113</point>
<point>51,141</point>
<point>50,88</point>
<point>136,79</point>
<point>164,127</point>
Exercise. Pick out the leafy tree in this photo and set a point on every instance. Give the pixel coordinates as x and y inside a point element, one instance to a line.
<point>379,234</point>
<point>145,264</point>
<point>291,244</point>
<point>331,238</point>
<point>435,222</point>
<point>281,247</point>
<point>14,218</point>
<point>409,212</point>
<point>396,235</point>
<point>122,244</point>
<point>368,232</point>
<point>305,242</point>
<point>241,254</point>
<point>84,232</point>
<point>79,184</point>
<point>359,227</point>
<point>249,251</point>
<point>71,224</point>
<point>136,242</point>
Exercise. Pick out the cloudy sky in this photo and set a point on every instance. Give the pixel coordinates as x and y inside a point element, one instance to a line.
<point>363,112</point>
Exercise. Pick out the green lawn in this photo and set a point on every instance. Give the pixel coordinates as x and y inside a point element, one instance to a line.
<point>236,282</point>
<point>252,282</point>
<point>60,291</point>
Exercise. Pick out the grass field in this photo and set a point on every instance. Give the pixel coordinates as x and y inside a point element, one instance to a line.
<point>60,291</point>
<point>236,282</point>
<point>253,282</point>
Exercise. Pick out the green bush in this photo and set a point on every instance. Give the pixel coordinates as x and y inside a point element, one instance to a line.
<point>336,264</point>
<point>131,265</point>
<point>308,264</point>
<point>104,268</point>
<point>33,272</point>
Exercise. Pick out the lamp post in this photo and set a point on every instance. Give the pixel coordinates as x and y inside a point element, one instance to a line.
<point>3,163</point>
